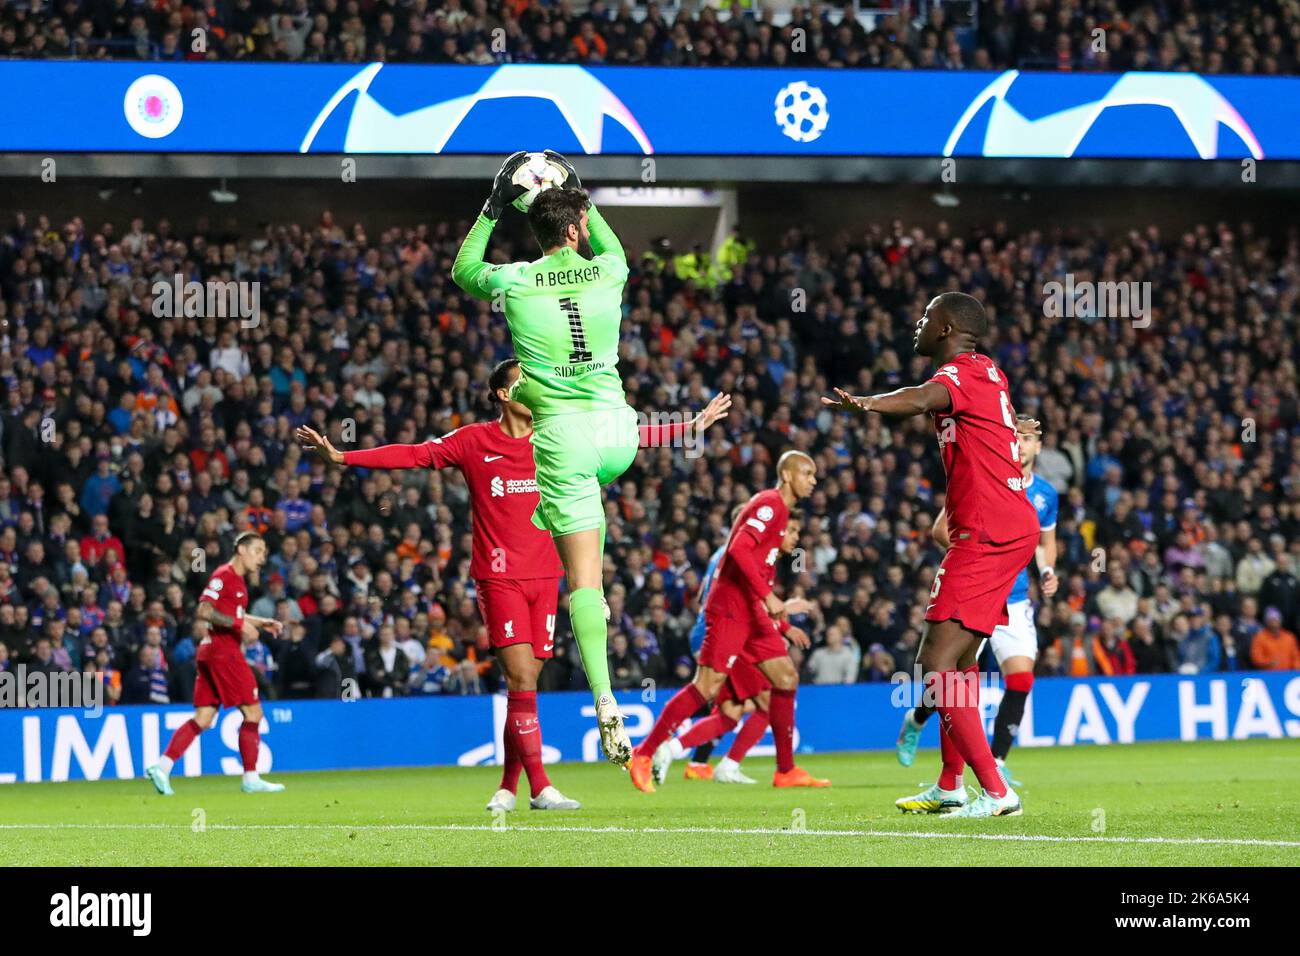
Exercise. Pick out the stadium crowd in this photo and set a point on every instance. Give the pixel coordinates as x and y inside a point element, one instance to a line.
<point>135,447</point>
<point>1207,36</point>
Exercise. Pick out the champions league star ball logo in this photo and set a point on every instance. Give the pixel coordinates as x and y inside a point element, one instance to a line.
<point>1196,106</point>
<point>153,106</point>
<point>801,111</point>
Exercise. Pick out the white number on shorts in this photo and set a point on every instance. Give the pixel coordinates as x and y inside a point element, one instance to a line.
<point>934,588</point>
<point>550,626</point>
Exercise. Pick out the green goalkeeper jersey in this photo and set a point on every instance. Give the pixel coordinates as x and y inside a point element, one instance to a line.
<point>564,314</point>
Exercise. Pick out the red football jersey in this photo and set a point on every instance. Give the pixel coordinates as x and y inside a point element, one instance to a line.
<point>502,483</point>
<point>226,592</point>
<point>748,566</point>
<point>981,453</point>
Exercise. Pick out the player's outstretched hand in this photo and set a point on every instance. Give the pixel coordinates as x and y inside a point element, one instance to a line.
<point>312,440</point>
<point>571,180</point>
<point>1030,427</point>
<point>798,637</point>
<point>717,408</point>
<point>847,402</point>
<point>504,189</point>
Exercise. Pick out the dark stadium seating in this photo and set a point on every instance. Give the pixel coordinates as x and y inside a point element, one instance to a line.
<point>1204,36</point>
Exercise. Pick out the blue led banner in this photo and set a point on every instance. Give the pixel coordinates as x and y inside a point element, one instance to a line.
<point>119,742</point>
<point>408,109</point>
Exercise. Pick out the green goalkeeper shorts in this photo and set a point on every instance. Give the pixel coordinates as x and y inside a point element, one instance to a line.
<point>577,454</point>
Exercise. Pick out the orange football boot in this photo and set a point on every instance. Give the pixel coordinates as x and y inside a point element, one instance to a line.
<point>642,773</point>
<point>797,777</point>
<point>698,771</point>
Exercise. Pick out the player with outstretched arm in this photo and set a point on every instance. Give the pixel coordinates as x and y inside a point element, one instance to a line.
<point>992,528</point>
<point>514,565</point>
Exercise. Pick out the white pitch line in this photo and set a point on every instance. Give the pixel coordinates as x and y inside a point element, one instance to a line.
<point>720,831</point>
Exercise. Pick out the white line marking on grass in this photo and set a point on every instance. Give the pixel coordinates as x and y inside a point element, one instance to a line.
<point>720,831</point>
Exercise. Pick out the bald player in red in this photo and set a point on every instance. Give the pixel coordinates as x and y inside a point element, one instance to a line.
<point>514,564</point>
<point>745,621</point>
<point>993,531</point>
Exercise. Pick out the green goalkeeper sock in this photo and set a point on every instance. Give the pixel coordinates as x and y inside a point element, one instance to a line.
<point>587,613</point>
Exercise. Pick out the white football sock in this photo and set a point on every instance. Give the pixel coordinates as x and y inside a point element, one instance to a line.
<point>676,749</point>
<point>166,763</point>
<point>251,776</point>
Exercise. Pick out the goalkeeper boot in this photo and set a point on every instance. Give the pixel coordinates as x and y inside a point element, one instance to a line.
<point>613,737</point>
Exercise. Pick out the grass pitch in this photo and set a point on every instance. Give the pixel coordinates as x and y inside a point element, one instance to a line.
<point>1203,804</point>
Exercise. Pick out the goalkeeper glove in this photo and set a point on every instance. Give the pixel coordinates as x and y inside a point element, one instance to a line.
<point>571,180</point>
<point>504,190</point>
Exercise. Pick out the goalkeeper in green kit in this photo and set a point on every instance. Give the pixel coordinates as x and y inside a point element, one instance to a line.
<point>564,311</point>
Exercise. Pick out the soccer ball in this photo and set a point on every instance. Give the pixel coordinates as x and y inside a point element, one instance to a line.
<point>536,174</point>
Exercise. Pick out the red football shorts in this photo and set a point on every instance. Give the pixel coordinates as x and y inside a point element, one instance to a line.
<point>974,580</point>
<point>520,612</point>
<point>744,681</point>
<point>727,640</point>
<point>224,681</point>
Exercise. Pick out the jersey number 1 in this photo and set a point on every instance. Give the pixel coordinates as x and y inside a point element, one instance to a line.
<point>577,333</point>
